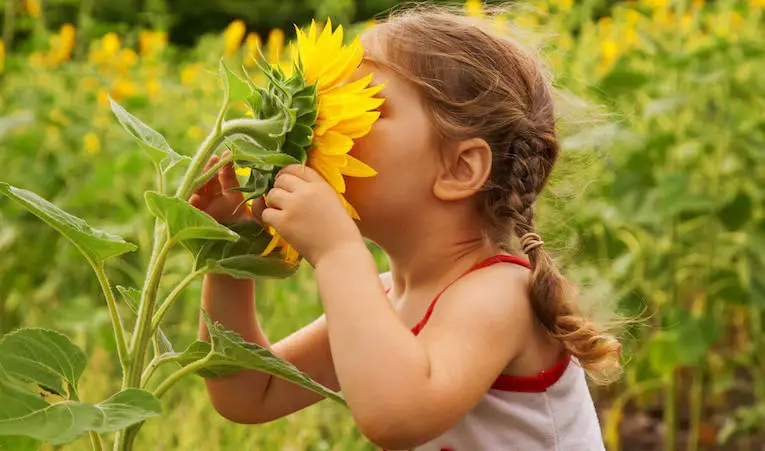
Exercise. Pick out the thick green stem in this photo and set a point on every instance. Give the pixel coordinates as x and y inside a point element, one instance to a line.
<point>259,130</point>
<point>95,441</point>
<point>119,333</point>
<point>157,319</point>
<point>178,375</point>
<point>142,333</point>
<point>210,172</point>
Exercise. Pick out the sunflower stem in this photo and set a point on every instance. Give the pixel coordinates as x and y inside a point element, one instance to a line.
<point>211,172</point>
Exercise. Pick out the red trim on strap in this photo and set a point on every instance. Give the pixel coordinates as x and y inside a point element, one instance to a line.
<point>488,262</point>
<point>533,384</point>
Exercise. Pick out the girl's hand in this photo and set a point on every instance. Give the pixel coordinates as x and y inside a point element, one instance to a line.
<point>308,213</point>
<point>217,199</point>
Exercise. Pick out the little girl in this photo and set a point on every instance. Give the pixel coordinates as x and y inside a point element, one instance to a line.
<point>463,345</point>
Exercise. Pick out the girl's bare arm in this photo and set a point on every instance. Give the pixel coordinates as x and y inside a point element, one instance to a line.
<point>252,396</point>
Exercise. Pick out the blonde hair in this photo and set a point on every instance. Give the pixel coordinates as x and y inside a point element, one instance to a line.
<point>477,83</point>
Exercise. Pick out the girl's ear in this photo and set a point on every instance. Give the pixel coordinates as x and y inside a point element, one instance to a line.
<point>464,170</point>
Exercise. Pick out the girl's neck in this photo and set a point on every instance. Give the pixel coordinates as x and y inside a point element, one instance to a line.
<point>434,259</point>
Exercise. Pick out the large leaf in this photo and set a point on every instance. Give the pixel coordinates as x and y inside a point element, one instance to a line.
<point>152,141</point>
<point>132,298</point>
<point>242,258</point>
<point>186,223</point>
<point>44,357</point>
<point>229,353</point>
<point>17,401</point>
<point>97,245</point>
<point>65,421</point>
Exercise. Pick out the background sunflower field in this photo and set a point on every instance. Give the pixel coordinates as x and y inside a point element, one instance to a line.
<point>656,208</point>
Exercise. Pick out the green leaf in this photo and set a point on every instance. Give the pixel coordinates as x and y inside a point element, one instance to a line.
<point>674,197</point>
<point>65,421</point>
<point>251,266</point>
<point>133,300</point>
<point>302,135</point>
<point>736,213</point>
<point>16,400</point>
<point>242,258</point>
<point>44,357</point>
<point>236,88</point>
<point>97,245</point>
<point>623,79</point>
<point>153,142</point>
<point>244,148</point>
<point>186,223</point>
<point>229,352</point>
<point>663,353</point>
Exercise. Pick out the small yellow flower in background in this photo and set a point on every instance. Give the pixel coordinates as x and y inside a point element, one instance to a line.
<point>656,4</point>
<point>232,37</point>
<point>61,45</point>
<point>33,8</point>
<point>699,4</point>
<point>632,17</point>
<point>609,50</point>
<point>151,42</point>
<point>110,44</point>
<point>563,5</point>
<point>190,73</point>
<point>195,132</point>
<point>474,8</point>
<point>127,58</point>
<point>631,38</point>
<point>153,88</point>
<point>275,45</point>
<point>252,44</point>
<point>103,98</point>
<point>686,23</point>
<point>2,56</point>
<point>92,143</point>
<point>122,89</point>
<point>760,4</point>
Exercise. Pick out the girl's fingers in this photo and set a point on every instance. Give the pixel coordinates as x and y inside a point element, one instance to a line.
<point>277,198</point>
<point>257,207</point>
<point>227,177</point>
<point>198,201</point>
<point>212,186</point>
<point>272,217</point>
<point>287,182</point>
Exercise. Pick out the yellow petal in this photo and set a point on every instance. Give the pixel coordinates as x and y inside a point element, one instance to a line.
<point>332,143</point>
<point>329,171</point>
<point>271,245</point>
<point>355,168</point>
<point>349,208</point>
<point>344,67</point>
<point>358,126</point>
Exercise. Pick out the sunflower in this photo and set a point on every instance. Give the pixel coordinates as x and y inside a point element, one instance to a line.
<point>344,111</point>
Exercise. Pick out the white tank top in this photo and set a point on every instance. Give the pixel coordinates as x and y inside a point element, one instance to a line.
<point>552,411</point>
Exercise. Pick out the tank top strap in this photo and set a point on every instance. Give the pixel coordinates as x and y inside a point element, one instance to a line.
<point>501,258</point>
